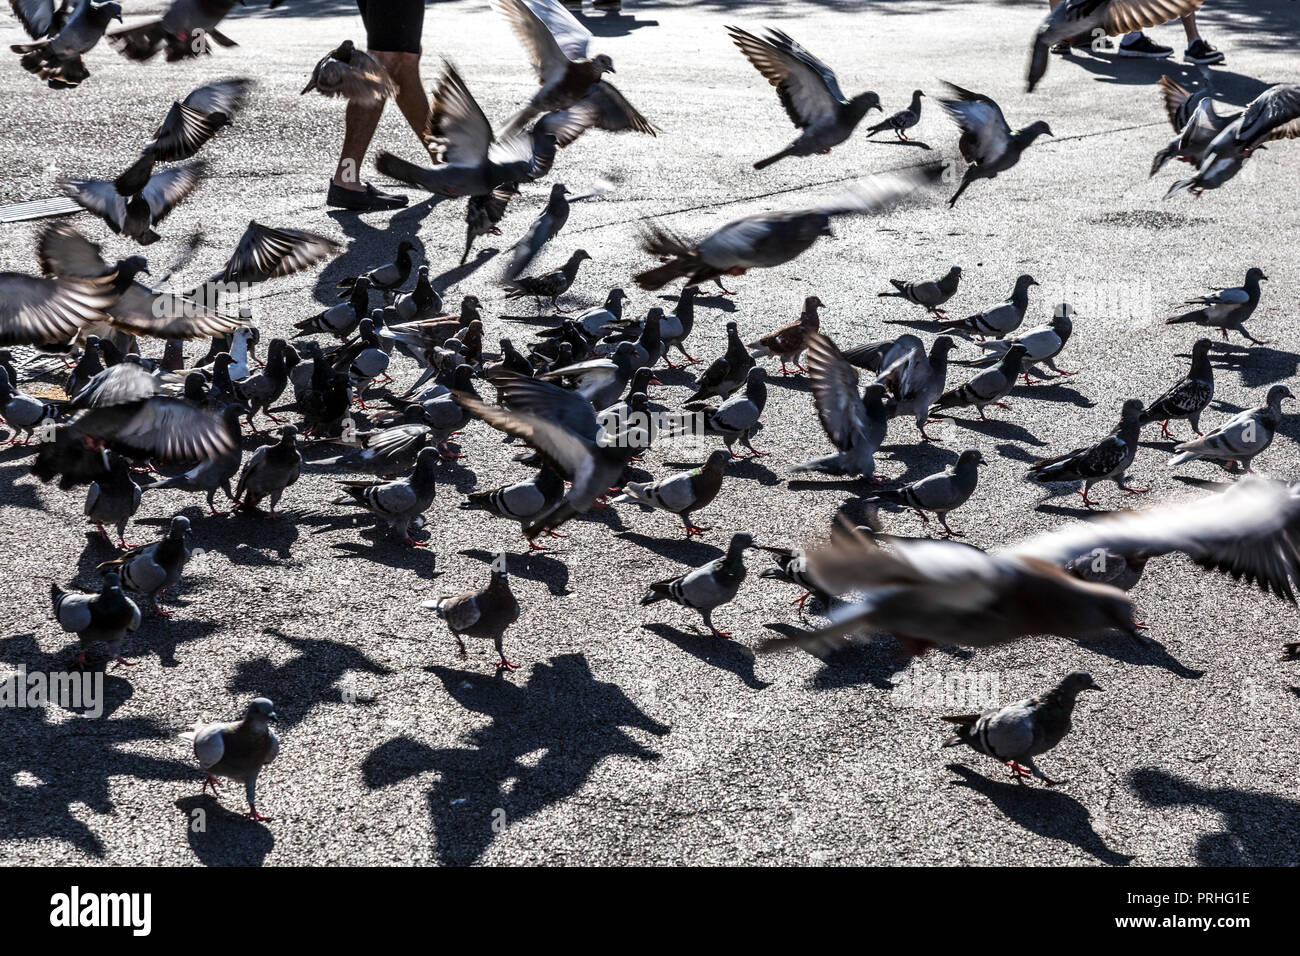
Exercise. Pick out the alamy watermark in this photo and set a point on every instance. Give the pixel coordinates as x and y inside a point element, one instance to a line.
<point>72,690</point>
<point>924,688</point>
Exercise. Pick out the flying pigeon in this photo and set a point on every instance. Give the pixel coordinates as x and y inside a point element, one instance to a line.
<point>56,57</point>
<point>264,253</point>
<point>808,90</point>
<point>915,381</point>
<point>788,342</point>
<point>1188,397</point>
<point>1195,120</point>
<point>603,108</point>
<point>929,294</point>
<point>104,618</point>
<point>940,493</point>
<point>1273,115</point>
<point>352,74</point>
<point>901,121</point>
<point>854,422</point>
<point>484,213</point>
<point>1019,732</point>
<point>136,215</point>
<point>1227,308</point>
<point>237,751</point>
<point>544,228</point>
<point>707,588</point>
<point>401,503</point>
<point>217,471</point>
<point>482,614</point>
<point>48,313</point>
<point>1241,437</point>
<point>1001,319</point>
<point>683,493</point>
<point>187,29</point>
<point>987,143</point>
<point>1107,460</point>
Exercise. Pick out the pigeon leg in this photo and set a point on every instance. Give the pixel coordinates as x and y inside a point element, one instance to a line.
<point>505,665</point>
<point>924,436</point>
<point>555,534</point>
<point>692,529</point>
<point>464,654</point>
<point>1000,404</point>
<point>158,609</point>
<point>947,531</point>
<point>212,782</point>
<point>534,546</point>
<point>1086,500</point>
<point>690,359</point>
<point>784,370</point>
<point>799,602</point>
<point>1018,771</point>
<point>123,661</point>
<point>253,815</point>
<point>1164,428</point>
<point>725,290</point>
<point>744,440</point>
<point>1061,372</point>
<point>1040,775</point>
<point>416,544</point>
<point>1129,490</point>
<point>102,532</point>
<point>980,409</point>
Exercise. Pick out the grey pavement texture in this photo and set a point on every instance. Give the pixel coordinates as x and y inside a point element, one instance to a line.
<point>627,735</point>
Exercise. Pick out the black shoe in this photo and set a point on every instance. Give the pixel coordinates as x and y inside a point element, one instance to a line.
<point>1144,48</point>
<point>369,199</point>
<point>1202,53</point>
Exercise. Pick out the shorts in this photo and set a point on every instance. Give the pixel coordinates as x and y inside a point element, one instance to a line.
<point>393,26</point>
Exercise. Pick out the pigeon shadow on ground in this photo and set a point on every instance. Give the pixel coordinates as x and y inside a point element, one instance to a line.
<point>719,652</point>
<point>1055,392</point>
<point>223,837</point>
<point>923,324</point>
<point>1258,829</point>
<point>496,777</point>
<point>614,23</point>
<point>530,566</point>
<point>795,382</point>
<point>1152,653</point>
<point>22,649</point>
<point>999,428</point>
<point>1043,811</point>
<point>691,552</point>
<point>458,273</point>
<point>850,663</point>
<point>308,679</point>
<point>372,245</point>
<point>17,495</point>
<point>919,144</point>
<point>381,547</point>
<point>47,768</point>
<point>1258,365</point>
<point>252,538</point>
<point>1016,453</point>
<point>720,302</point>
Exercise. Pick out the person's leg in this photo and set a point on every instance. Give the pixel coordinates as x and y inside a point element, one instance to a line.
<point>412,100</point>
<point>359,123</point>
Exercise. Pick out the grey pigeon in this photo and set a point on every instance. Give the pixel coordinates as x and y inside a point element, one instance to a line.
<point>1188,397</point>
<point>915,381</point>
<point>599,381</point>
<point>216,472</point>
<point>20,412</point>
<point>987,143</point>
<point>1019,732</point>
<point>104,618</point>
<point>269,471</point>
<point>1195,120</point>
<point>263,253</point>
<point>1227,308</point>
<point>1104,566</point>
<point>237,751</point>
<point>522,501</point>
<point>809,92</point>
<point>113,499</point>
<point>683,493</point>
<point>930,294</point>
<point>422,302</point>
<point>901,121</point>
<point>675,328</point>
<point>1042,344</point>
<point>48,313</point>
<point>484,614</point>
<point>939,493</point>
<point>1107,460</point>
<point>389,452</point>
<point>1272,115</point>
<point>544,228</point>
<point>792,566</point>
<point>400,503</point>
<point>604,108</point>
<point>854,422</point>
<point>137,214</point>
<point>549,285</point>
<point>154,569</point>
<point>56,58</point>
<point>1241,437</point>
<point>707,588</point>
<point>341,320</point>
<point>383,278</point>
<point>1001,319</point>
<point>352,74</point>
<point>989,387</point>
<point>187,29</point>
<point>738,417</point>
<point>484,213</point>
<point>726,373</point>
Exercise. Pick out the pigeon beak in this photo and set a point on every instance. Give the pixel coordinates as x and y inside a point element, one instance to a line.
<point>271,716</point>
<point>1093,686</point>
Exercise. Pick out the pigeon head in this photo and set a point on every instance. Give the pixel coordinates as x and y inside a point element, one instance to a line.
<point>1032,132</point>
<point>344,51</point>
<point>260,708</point>
<point>971,458</point>
<point>559,189</point>
<point>103,12</point>
<point>603,63</point>
<point>756,374</point>
<point>617,294</point>
<point>112,583</point>
<point>1025,281</point>
<point>1256,274</point>
<point>579,255</point>
<point>1077,682</point>
<point>812,304</point>
<point>179,527</point>
<point>1131,410</point>
<point>405,246</point>
<point>943,345</point>
<point>740,542</point>
<point>718,459</point>
<point>1201,348</point>
<point>918,93</point>
<point>1277,393</point>
<point>132,266</point>
<point>196,386</point>
<point>1017,351</point>
<point>863,103</point>
<point>288,435</point>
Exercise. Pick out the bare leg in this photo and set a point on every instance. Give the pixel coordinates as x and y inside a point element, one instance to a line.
<point>404,68</point>
<point>359,125</point>
<point>1189,27</point>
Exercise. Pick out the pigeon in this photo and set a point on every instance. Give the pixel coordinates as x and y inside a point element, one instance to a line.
<point>423,301</point>
<point>1273,115</point>
<point>1042,344</point>
<point>1001,319</point>
<point>216,472</point>
<point>484,212</point>
<point>265,252</point>
<point>522,501</point>
<point>104,618</point>
<point>1241,437</point>
<point>915,381</point>
<point>483,614</point>
<point>598,320</point>
<point>341,320</point>
<point>363,361</point>
<point>1107,460</point>
<point>352,74</point>
<point>469,160</point>
<point>401,503</point>
<point>792,566</point>
<point>809,92</point>
<point>1089,19</point>
<point>43,18</point>
<point>20,412</point>
<point>258,392</point>
<point>269,471</point>
<point>136,215</point>
<point>549,285</point>
<point>599,381</point>
<point>1103,566</point>
<point>854,422</point>
<point>939,493</point>
<point>48,313</point>
<point>603,108</point>
<point>56,57</point>
<point>726,373</point>
<point>557,47</point>
<point>386,278</point>
<point>769,239</point>
<point>544,228</point>
<point>707,588</point>
<point>989,387</point>
<point>188,125</point>
<point>931,294</point>
<point>113,499</point>
<point>89,367</point>
<point>674,329</point>
<point>389,452</point>
<point>1195,120</point>
<point>1227,308</point>
<point>987,143</point>
<point>187,29</point>
<point>237,751</point>
<point>683,493</point>
<point>738,416</point>
<point>901,121</point>
<point>787,343</point>
<point>561,426</point>
<point>1189,397</point>
<point>1019,732</point>
<point>153,569</point>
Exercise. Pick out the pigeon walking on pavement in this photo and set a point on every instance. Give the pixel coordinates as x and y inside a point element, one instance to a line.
<point>548,285</point>
<point>237,751</point>
<point>1107,460</point>
<point>940,493</point>
<point>1188,397</point>
<point>113,499</point>
<point>1042,344</point>
<point>788,342</point>
<point>522,501</point>
<point>104,618</point>
<point>1001,319</point>
<point>484,614</point>
<point>1241,437</point>
<point>901,121</point>
<point>989,387</point>
<point>738,417</point>
<point>154,569</point>
<point>269,471</point>
<point>727,372</point>
<point>683,493</point>
<point>1227,309</point>
<point>707,588</point>
<point>401,503</point>
<point>930,294</point>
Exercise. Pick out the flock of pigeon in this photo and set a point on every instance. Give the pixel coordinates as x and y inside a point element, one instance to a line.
<point>129,421</point>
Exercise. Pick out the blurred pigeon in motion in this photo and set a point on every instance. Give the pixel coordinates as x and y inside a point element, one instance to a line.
<point>216,472</point>
<point>854,422</point>
<point>1273,115</point>
<point>400,503</point>
<point>792,566</point>
<point>264,253</point>
<point>1088,19</point>
<point>788,342</point>
<point>1104,566</point>
<point>1227,308</point>
<point>113,499</point>
<point>901,121</point>
<point>548,285</point>
<point>987,143</point>
<point>104,618</point>
<point>738,417</point>
<point>1042,344</point>
<point>483,614</point>
<point>388,452</point>
<point>1241,437</point>
<point>603,108</point>
<point>809,92</point>
<point>1188,397</point>
<point>269,471</point>
<point>187,29</point>
<point>929,294</point>
<point>770,239</point>
<point>599,381</point>
<point>1001,319</point>
<point>939,493</point>
<point>544,228</point>
<point>153,569</point>
<point>136,215</point>
<point>20,412</point>
<point>707,588</point>
<point>56,56</point>
<point>1019,732</point>
<point>1107,460</point>
<point>683,493</point>
<point>989,387</point>
<point>1195,120</point>
<point>48,313</point>
<point>352,74</point>
<point>727,372</point>
<point>484,213</point>
<point>188,125</point>
<point>915,381</point>
<point>522,501</point>
<point>237,751</point>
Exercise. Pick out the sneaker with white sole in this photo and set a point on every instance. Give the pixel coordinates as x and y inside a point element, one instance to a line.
<point>1144,48</point>
<point>1202,53</point>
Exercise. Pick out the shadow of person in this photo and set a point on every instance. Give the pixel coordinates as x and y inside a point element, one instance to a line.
<point>222,837</point>
<point>562,711</point>
<point>1043,811</point>
<point>715,651</point>
<point>1259,829</point>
